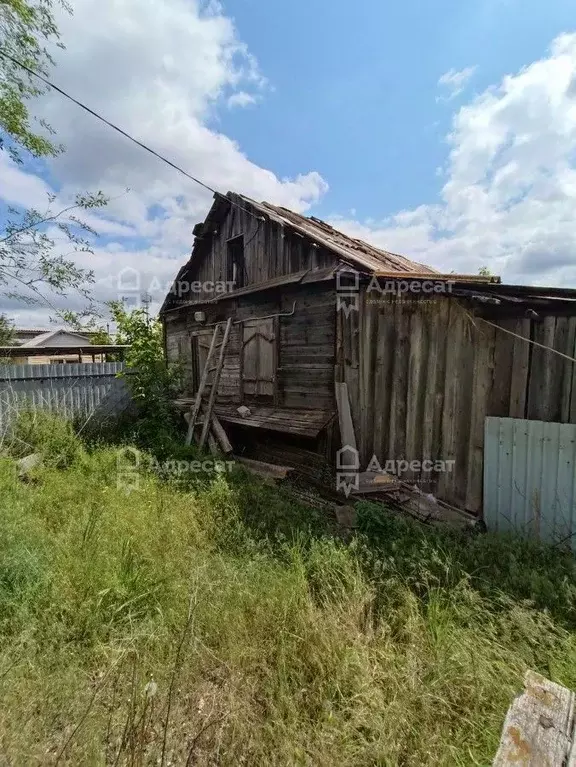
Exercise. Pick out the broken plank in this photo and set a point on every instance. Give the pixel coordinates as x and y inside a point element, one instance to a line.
<point>347,434</point>
<point>375,482</point>
<point>264,469</point>
<point>538,727</point>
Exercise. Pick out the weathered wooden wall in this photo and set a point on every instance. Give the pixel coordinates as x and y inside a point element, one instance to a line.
<point>304,343</point>
<point>423,374</point>
<point>269,250</point>
<point>306,348</point>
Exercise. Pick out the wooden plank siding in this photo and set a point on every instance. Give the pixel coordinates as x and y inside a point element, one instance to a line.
<point>424,373</point>
<point>303,350</point>
<point>269,251</point>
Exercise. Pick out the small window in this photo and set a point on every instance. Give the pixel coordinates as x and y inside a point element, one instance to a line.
<point>236,269</point>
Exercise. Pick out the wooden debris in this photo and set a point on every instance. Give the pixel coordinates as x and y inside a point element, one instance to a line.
<point>212,444</point>
<point>217,441</point>
<point>375,482</point>
<point>28,463</point>
<point>309,498</point>
<point>262,469</point>
<point>409,499</point>
<point>314,467</point>
<point>298,421</point>
<point>538,729</point>
<point>221,436</point>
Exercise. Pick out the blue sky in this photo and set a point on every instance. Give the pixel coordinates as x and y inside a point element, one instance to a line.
<point>355,86</point>
<point>442,130</point>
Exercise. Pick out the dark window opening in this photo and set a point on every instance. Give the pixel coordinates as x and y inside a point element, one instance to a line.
<point>236,268</point>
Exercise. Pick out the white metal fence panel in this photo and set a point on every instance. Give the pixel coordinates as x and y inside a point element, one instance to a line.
<point>86,390</point>
<point>530,479</point>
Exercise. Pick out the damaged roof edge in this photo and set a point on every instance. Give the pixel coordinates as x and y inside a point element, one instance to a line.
<point>303,277</point>
<point>354,251</point>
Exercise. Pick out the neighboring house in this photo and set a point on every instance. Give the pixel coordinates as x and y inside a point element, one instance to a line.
<point>57,341</point>
<point>425,356</point>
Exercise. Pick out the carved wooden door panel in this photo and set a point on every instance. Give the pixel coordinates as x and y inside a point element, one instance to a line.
<point>259,361</point>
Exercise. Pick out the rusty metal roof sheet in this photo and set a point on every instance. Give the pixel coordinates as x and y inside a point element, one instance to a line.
<point>355,252</point>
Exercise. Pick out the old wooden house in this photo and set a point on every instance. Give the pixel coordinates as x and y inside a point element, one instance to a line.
<point>426,357</point>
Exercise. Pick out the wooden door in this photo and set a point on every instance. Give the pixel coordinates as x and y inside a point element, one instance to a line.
<point>259,361</point>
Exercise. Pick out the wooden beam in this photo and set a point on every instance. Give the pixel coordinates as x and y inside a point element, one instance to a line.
<point>264,469</point>
<point>538,729</point>
<point>220,434</point>
<point>212,445</point>
<point>347,435</point>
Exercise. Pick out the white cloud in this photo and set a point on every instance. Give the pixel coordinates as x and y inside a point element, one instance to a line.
<point>241,99</point>
<point>454,81</point>
<point>509,201</point>
<point>160,69</point>
<point>20,187</point>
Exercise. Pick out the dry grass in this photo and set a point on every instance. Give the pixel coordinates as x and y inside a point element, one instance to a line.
<point>220,625</point>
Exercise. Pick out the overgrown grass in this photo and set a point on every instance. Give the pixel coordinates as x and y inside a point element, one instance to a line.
<point>218,622</point>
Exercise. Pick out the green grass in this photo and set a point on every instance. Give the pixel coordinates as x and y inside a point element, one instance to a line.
<point>217,622</point>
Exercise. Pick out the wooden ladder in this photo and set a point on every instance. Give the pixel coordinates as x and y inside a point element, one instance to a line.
<point>211,385</point>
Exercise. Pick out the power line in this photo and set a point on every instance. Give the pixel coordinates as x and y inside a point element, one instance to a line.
<point>123,132</point>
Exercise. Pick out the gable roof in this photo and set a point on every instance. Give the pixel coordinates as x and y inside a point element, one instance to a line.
<point>52,338</point>
<point>355,252</point>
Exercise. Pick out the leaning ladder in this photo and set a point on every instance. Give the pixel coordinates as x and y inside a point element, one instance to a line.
<point>211,385</point>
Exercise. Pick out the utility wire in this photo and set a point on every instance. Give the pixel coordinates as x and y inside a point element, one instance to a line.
<point>123,132</point>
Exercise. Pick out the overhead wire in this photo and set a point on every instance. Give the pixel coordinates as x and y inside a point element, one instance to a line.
<point>124,133</point>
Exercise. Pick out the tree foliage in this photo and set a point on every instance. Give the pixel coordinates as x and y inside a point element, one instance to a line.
<point>7,334</point>
<point>26,28</point>
<point>101,337</point>
<point>152,382</point>
<point>37,249</point>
